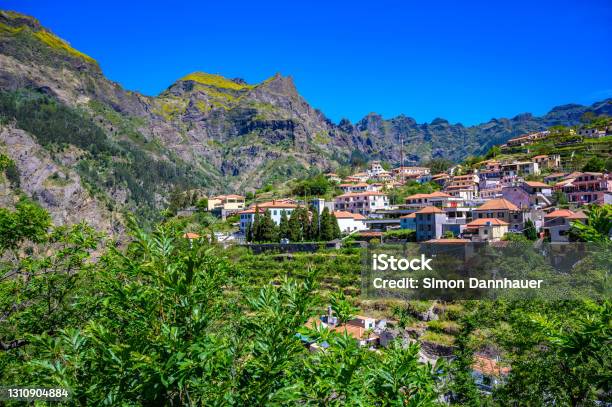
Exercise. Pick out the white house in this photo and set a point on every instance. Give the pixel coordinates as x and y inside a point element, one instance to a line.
<point>375,169</point>
<point>276,209</point>
<point>350,222</point>
<point>362,202</point>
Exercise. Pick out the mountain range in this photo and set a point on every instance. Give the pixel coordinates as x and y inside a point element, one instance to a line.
<point>87,148</point>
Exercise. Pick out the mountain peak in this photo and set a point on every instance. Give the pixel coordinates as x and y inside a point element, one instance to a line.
<point>16,27</point>
<point>280,84</point>
<point>216,81</point>
<point>15,19</point>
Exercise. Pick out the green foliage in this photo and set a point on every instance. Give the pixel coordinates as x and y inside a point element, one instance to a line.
<point>515,237</point>
<point>217,81</point>
<point>329,229</point>
<point>29,222</point>
<point>283,226</point>
<point>10,170</point>
<point>438,165</point>
<point>530,231</point>
<point>597,227</point>
<point>562,353</point>
<point>462,385</point>
<point>40,269</point>
<point>315,186</point>
<point>342,307</point>
<point>559,198</point>
<point>402,234</point>
<point>53,123</point>
<point>595,164</point>
<point>493,152</point>
<point>202,204</point>
<point>398,195</point>
<point>168,322</point>
<point>448,235</point>
<point>109,164</point>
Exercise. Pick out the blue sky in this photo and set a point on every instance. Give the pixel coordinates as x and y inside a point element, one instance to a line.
<point>466,61</point>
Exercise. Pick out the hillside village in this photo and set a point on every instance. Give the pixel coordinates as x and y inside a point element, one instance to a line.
<point>480,202</point>
<point>516,191</point>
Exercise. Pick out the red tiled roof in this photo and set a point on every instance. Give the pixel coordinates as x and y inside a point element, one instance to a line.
<point>489,366</point>
<point>485,221</point>
<point>410,215</point>
<point>578,215</point>
<point>497,204</point>
<point>559,213</point>
<point>348,215</point>
<point>430,209</point>
<point>536,184</point>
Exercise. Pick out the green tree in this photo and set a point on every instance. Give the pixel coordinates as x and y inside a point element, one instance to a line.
<point>462,386</point>
<point>40,277</point>
<point>342,307</point>
<point>327,226</point>
<point>315,227</point>
<point>493,152</point>
<point>559,198</point>
<point>283,227</point>
<point>296,231</point>
<point>256,226</point>
<point>249,232</point>
<point>337,233</point>
<point>597,226</point>
<point>267,229</point>
<point>438,165</point>
<point>595,164</point>
<point>29,222</point>
<point>530,231</point>
<point>202,205</point>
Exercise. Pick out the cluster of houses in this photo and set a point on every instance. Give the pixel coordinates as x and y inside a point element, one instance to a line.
<point>532,138</point>
<point>481,206</point>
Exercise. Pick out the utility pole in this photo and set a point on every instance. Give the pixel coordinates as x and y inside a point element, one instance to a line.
<point>401,152</point>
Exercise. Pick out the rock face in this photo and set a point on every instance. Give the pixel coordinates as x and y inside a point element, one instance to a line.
<point>206,131</point>
<point>57,188</point>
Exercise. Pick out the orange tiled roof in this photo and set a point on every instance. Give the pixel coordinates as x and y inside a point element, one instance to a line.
<point>348,215</point>
<point>497,204</point>
<point>190,235</point>
<point>410,215</point>
<point>536,184</point>
<point>578,215</point>
<point>485,221</point>
<point>430,209</point>
<point>559,213</point>
<point>489,366</point>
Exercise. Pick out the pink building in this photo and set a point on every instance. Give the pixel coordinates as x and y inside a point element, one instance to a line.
<point>588,187</point>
